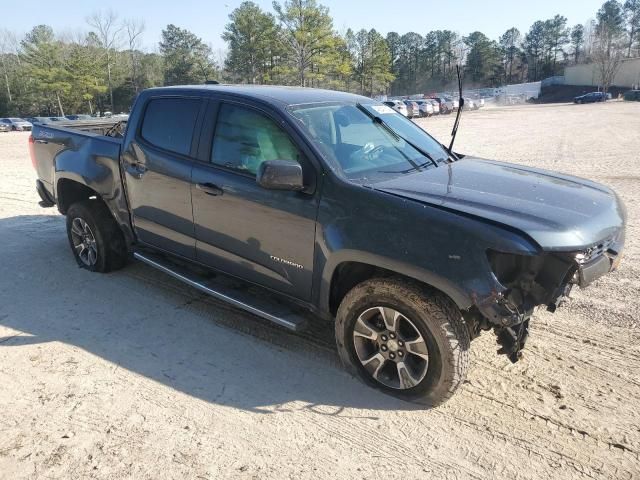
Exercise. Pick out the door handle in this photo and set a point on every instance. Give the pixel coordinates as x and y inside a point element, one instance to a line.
<point>210,189</point>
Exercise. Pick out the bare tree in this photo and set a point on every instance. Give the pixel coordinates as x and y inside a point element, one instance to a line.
<point>607,64</point>
<point>108,31</point>
<point>5,50</point>
<point>134,29</point>
<point>608,48</point>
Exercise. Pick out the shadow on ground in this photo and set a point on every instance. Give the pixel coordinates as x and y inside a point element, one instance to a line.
<point>148,323</point>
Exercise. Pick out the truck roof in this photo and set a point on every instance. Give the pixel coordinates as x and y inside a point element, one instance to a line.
<point>274,94</point>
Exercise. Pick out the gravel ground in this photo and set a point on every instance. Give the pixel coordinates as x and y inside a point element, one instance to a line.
<point>134,375</point>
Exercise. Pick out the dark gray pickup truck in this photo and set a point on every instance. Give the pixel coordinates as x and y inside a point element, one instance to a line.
<point>282,201</point>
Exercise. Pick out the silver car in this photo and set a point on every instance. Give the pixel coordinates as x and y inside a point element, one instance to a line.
<point>398,106</point>
<point>425,107</point>
<point>17,124</point>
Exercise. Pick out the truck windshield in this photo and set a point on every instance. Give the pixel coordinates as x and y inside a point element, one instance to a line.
<point>369,141</point>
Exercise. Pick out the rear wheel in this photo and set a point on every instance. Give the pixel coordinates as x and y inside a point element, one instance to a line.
<point>95,238</point>
<point>403,339</point>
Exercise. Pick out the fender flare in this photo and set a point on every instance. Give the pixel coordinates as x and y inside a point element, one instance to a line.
<point>459,296</point>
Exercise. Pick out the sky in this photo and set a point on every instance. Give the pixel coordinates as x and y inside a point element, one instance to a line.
<point>207,19</point>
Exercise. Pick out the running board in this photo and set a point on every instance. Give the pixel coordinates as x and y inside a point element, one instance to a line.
<point>263,305</point>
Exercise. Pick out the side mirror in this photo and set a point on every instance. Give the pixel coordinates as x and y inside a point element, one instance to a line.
<point>280,175</point>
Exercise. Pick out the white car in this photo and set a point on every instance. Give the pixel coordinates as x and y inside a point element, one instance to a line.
<point>398,106</point>
<point>470,104</point>
<point>425,107</point>
<point>17,124</point>
<point>435,105</point>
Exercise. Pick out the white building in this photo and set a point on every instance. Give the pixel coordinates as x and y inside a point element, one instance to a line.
<point>628,75</point>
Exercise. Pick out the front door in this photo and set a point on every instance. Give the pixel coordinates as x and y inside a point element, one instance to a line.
<point>263,236</point>
<point>157,166</point>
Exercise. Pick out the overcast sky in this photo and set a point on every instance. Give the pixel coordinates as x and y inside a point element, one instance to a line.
<point>208,18</point>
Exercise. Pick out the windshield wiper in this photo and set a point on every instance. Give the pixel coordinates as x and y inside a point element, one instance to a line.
<point>408,170</point>
<point>456,124</point>
<point>397,136</point>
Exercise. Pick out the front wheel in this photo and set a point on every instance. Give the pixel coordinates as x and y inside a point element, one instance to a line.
<point>403,339</point>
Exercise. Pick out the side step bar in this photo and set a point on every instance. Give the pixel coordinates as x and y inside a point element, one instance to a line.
<point>259,305</point>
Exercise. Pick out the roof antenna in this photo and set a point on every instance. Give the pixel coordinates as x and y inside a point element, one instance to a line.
<point>460,105</point>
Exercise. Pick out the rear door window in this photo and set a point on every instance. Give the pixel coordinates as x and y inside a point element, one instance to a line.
<point>169,123</point>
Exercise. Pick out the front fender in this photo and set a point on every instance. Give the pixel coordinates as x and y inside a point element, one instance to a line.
<point>462,299</point>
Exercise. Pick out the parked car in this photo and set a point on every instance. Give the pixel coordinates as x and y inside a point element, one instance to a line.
<point>79,117</point>
<point>455,103</point>
<point>632,96</point>
<point>59,119</point>
<point>398,106</point>
<point>446,106</point>
<point>4,127</point>
<point>17,124</point>
<point>295,191</point>
<point>590,97</point>
<point>425,108</point>
<point>412,108</point>
<point>470,104</point>
<point>436,106</point>
<point>34,120</point>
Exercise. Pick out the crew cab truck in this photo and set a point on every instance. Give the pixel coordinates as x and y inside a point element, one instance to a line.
<point>288,200</point>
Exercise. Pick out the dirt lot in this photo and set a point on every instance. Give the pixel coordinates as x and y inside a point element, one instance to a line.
<point>134,375</point>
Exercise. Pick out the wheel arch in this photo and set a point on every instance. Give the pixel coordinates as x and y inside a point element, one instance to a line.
<point>71,187</point>
<point>352,268</point>
<point>70,191</point>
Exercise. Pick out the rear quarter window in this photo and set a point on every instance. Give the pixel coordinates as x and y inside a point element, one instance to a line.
<point>169,123</point>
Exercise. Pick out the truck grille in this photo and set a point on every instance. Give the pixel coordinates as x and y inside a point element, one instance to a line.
<point>595,251</point>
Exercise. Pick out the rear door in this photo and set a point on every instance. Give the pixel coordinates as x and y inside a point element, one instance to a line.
<point>263,236</point>
<point>157,167</point>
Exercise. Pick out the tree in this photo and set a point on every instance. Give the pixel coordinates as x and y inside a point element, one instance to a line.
<point>187,59</point>
<point>631,10</point>
<point>44,59</point>
<point>134,29</point>
<point>556,37</point>
<point>83,67</point>
<point>509,42</point>
<point>307,33</point>
<point>534,42</point>
<point>608,47</point>
<point>484,61</point>
<point>108,33</point>
<point>252,37</point>
<point>372,61</point>
<point>577,41</point>
<point>610,26</point>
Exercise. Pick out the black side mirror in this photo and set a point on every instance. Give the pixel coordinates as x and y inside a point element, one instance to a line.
<point>280,175</point>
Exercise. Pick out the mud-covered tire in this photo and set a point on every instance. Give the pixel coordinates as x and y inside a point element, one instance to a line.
<point>438,320</point>
<point>110,247</point>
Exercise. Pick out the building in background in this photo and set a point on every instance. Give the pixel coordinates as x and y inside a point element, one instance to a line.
<point>628,75</point>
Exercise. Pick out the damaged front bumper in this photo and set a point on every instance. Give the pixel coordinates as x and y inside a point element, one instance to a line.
<point>524,282</point>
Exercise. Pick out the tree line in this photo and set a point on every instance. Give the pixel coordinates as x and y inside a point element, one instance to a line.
<point>44,73</point>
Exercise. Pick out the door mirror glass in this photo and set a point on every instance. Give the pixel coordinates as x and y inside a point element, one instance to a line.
<point>280,175</point>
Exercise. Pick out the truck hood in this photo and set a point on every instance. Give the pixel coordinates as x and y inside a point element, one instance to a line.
<point>559,212</point>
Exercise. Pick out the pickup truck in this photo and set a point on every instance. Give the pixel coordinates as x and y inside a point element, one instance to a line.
<point>301,205</point>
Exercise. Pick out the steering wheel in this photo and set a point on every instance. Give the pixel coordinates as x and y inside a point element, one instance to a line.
<point>368,152</point>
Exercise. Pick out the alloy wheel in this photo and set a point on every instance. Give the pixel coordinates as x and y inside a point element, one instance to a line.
<point>84,242</point>
<point>390,348</point>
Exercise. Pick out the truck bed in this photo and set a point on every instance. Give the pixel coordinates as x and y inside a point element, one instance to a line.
<point>76,155</point>
<point>107,127</point>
